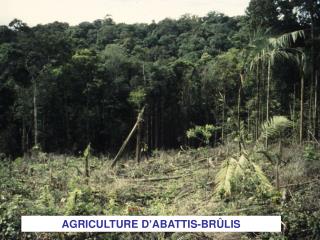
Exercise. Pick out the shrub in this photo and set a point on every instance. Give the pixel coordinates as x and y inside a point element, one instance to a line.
<point>202,133</point>
<point>310,153</point>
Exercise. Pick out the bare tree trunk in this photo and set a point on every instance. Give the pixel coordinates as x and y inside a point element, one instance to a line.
<point>313,71</point>
<point>23,139</point>
<point>223,113</point>
<point>138,143</point>
<point>248,120</point>
<point>315,110</point>
<point>268,96</point>
<point>87,166</point>
<point>262,93</point>
<point>278,160</point>
<point>139,118</point>
<point>146,133</point>
<point>239,106</point>
<point>66,121</point>
<point>301,107</point>
<point>239,127</point>
<point>35,112</point>
<point>27,140</point>
<point>87,117</point>
<point>310,113</point>
<point>162,134</point>
<point>156,126</point>
<point>294,110</point>
<point>152,126</point>
<point>258,121</point>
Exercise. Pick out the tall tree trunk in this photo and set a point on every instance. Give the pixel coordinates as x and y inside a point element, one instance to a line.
<point>162,122</point>
<point>87,117</point>
<point>310,113</point>
<point>146,133</point>
<point>239,127</point>
<point>268,95</point>
<point>23,139</point>
<point>313,69</point>
<point>152,126</point>
<point>138,143</point>
<point>315,110</point>
<point>66,119</point>
<point>35,112</point>
<point>239,107</point>
<point>263,92</point>
<point>294,109</point>
<point>278,160</point>
<point>156,126</point>
<point>248,121</point>
<point>301,106</point>
<point>258,121</point>
<point>223,113</point>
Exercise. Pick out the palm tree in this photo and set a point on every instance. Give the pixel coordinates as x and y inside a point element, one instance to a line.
<point>284,42</point>
<point>268,50</point>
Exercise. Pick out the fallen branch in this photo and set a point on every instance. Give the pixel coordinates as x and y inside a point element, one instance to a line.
<point>299,184</point>
<point>160,179</point>
<point>241,210</point>
<point>139,119</point>
<point>189,164</point>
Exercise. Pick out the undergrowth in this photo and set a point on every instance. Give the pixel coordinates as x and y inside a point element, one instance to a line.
<point>169,183</point>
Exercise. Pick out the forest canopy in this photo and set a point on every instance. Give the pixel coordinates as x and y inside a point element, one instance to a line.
<point>221,112</point>
<point>63,87</point>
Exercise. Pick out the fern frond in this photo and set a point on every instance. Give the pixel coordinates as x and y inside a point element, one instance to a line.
<point>224,177</point>
<point>242,165</point>
<point>264,182</point>
<point>275,127</point>
<point>233,175</point>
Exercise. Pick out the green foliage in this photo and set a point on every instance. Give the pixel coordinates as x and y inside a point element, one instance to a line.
<point>287,39</point>
<point>202,133</point>
<point>10,215</point>
<point>82,202</point>
<point>137,98</point>
<point>83,56</point>
<point>45,204</point>
<point>72,202</point>
<point>46,198</point>
<point>241,176</point>
<point>224,177</point>
<point>310,153</point>
<point>90,72</point>
<point>275,128</point>
<point>87,151</point>
<point>302,221</point>
<point>90,81</point>
<point>242,184</point>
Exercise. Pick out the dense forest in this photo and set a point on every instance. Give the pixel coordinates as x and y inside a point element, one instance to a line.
<point>247,83</point>
<point>65,86</point>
